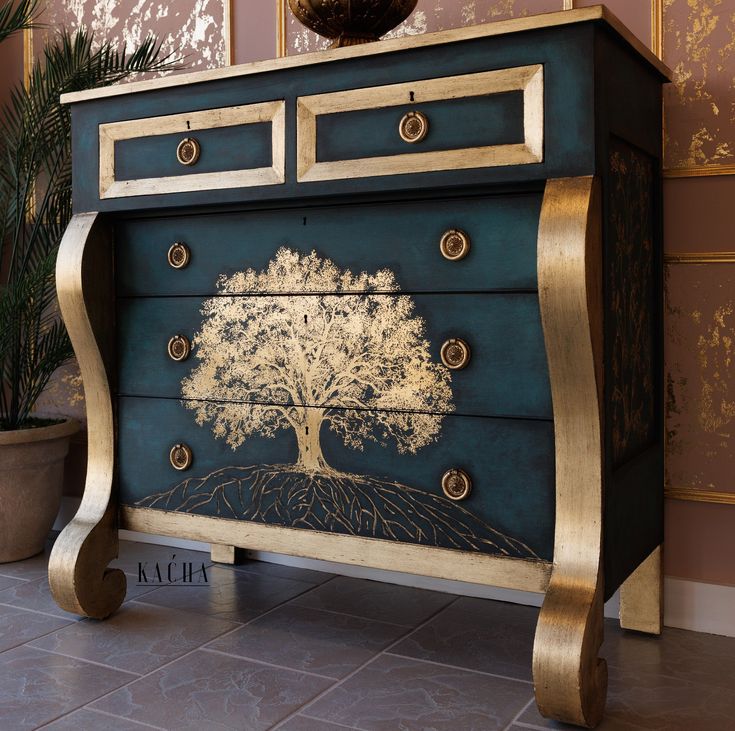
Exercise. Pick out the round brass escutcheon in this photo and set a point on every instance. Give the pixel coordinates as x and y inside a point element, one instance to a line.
<point>455,354</point>
<point>179,255</point>
<point>413,127</point>
<point>188,151</point>
<point>454,244</point>
<point>180,456</point>
<point>456,484</point>
<point>179,347</point>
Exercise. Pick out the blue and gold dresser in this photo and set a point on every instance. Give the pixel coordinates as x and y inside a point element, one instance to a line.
<point>396,305</point>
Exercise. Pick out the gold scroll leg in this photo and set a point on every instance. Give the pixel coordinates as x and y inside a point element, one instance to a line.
<point>641,596</point>
<point>78,575</point>
<point>569,678</point>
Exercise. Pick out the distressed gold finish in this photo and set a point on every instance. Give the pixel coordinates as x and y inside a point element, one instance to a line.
<point>112,132</point>
<point>223,553</point>
<point>180,457</point>
<point>455,354</point>
<point>179,255</point>
<point>443,563</point>
<point>456,484</point>
<point>179,348</point>
<point>188,151</point>
<point>413,127</point>
<point>527,79</point>
<point>701,496</point>
<point>641,596</point>
<point>78,577</point>
<point>424,40</point>
<point>454,244</point>
<point>569,678</point>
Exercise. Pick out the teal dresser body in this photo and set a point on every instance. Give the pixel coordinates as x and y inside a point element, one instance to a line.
<point>312,311</point>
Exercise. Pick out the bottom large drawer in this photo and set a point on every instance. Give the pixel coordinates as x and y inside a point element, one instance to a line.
<point>367,473</point>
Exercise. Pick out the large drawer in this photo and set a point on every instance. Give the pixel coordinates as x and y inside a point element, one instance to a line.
<point>486,119</point>
<point>233,147</point>
<point>401,237</point>
<point>374,351</point>
<point>369,475</point>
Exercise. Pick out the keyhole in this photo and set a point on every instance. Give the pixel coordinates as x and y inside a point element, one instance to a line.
<point>410,96</point>
<point>307,431</point>
<point>188,126</point>
<point>306,319</point>
<point>304,220</point>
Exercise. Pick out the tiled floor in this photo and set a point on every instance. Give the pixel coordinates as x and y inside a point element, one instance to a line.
<point>270,647</point>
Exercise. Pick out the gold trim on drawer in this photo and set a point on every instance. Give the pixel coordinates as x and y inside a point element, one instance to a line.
<point>528,79</point>
<point>273,112</point>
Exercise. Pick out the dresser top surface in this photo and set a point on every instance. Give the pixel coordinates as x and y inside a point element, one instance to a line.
<point>498,28</point>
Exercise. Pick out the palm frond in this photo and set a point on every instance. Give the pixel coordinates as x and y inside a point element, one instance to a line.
<point>16,16</point>
<point>36,204</point>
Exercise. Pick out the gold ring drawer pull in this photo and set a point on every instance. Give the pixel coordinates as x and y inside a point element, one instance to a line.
<point>455,354</point>
<point>188,151</point>
<point>180,456</point>
<point>454,244</point>
<point>179,348</point>
<point>456,484</point>
<point>179,255</point>
<point>413,127</point>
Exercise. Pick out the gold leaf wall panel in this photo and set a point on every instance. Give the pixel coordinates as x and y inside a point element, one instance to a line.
<point>699,46</point>
<point>700,379</point>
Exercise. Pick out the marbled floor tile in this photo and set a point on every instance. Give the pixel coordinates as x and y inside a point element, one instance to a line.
<point>479,634</point>
<point>303,723</point>
<point>138,637</point>
<point>311,640</point>
<point>232,595</point>
<point>18,626</point>
<point>36,595</point>
<point>375,600</point>
<point>400,693</point>
<point>87,720</point>
<point>266,568</point>
<point>206,690</point>
<point>35,567</point>
<point>639,701</point>
<point>131,553</point>
<point>693,656</point>
<point>37,687</point>
<point>6,581</point>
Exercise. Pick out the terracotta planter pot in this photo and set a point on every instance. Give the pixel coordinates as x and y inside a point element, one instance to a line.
<point>31,481</point>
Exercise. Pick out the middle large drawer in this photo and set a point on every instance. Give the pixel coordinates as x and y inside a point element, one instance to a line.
<point>473,354</point>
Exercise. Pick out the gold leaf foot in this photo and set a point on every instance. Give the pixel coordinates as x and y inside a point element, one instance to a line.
<point>641,597</point>
<point>570,679</point>
<point>79,578</point>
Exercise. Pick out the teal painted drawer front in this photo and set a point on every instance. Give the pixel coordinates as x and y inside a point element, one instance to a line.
<point>374,351</point>
<point>401,237</point>
<point>360,472</point>
<point>230,148</point>
<point>489,119</point>
<point>233,147</point>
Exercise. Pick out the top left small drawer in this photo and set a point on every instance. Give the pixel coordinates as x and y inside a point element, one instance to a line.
<point>232,147</point>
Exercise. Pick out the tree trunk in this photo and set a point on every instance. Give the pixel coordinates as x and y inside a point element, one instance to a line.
<point>311,458</point>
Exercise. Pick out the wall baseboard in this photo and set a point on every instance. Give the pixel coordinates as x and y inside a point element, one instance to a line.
<point>690,605</point>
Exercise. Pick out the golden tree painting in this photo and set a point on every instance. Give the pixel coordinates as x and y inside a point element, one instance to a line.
<point>359,357</point>
<point>303,346</point>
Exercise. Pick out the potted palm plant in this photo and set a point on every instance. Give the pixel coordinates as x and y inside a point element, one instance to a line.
<point>35,208</point>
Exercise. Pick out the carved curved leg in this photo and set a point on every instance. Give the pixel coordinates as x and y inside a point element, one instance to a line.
<point>570,680</point>
<point>78,575</point>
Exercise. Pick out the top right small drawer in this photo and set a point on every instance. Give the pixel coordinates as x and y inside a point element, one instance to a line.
<point>483,119</point>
